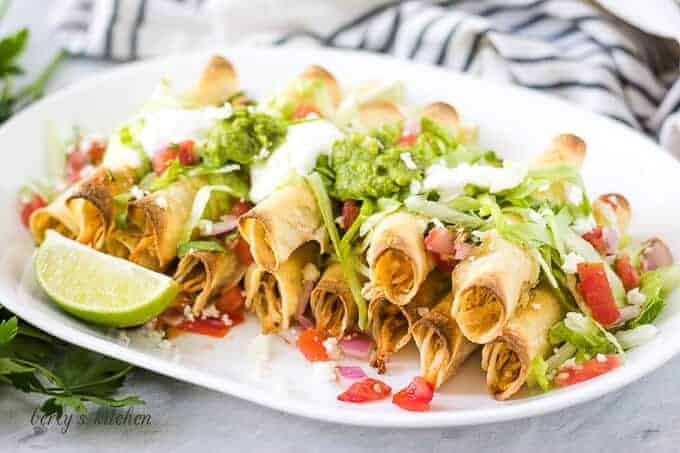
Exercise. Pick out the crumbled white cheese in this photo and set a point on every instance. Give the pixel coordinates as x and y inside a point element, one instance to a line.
<point>569,363</point>
<point>210,312</point>
<point>330,344</point>
<point>437,223</point>
<point>310,273</point>
<point>188,314</point>
<point>582,225</point>
<point>205,227</point>
<point>407,159</point>
<point>536,306</point>
<point>137,193</point>
<point>324,371</point>
<point>86,170</point>
<point>161,202</point>
<point>574,194</point>
<point>575,316</point>
<point>635,297</point>
<point>123,337</point>
<point>571,262</point>
<point>227,320</point>
<point>601,358</point>
<point>263,154</point>
<point>415,186</point>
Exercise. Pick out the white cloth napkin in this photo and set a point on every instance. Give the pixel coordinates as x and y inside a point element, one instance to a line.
<point>563,47</point>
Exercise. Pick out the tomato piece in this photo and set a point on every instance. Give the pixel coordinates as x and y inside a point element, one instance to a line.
<point>304,110</point>
<point>597,293</point>
<point>587,370</point>
<point>625,270</point>
<point>160,160</point>
<point>597,239</point>
<point>242,250</point>
<point>32,205</point>
<point>350,212</point>
<point>95,153</point>
<point>408,139</point>
<point>441,243</point>
<point>210,327</point>
<point>230,300</point>
<point>416,396</point>
<point>186,153</point>
<point>75,162</point>
<point>241,207</point>
<point>310,343</point>
<point>366,390</point>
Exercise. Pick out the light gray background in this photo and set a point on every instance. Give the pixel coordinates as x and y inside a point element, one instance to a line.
<point>642,417</point>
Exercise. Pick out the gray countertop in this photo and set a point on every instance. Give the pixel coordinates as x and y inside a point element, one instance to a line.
<point>642,417</point>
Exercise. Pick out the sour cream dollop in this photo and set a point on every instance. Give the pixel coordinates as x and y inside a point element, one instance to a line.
<point>451,182</point>
<point>304,143</point>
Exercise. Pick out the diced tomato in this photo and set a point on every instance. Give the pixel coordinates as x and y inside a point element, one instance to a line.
<point>310,343</point>
<point>408,139</point>
<point>440,242</point>
<point>95,152</point>
<point>597,293</point>
<point>160,160</point>
<point>242,250</point>
<point>416,396</point>
<point>303,110</point>
<point>587,370</point>
<point>350,212</point>
<point>27,208</point>
<point>186,153</point>
<point>597,239</point>
<point>75,162</point>
<point>625,270</point>
<point>241,207</point>
<point>230,300</point>
<point>210,327</point>
<point>366,390</point>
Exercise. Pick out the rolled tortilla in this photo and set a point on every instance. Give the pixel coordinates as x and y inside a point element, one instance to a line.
<point>332,303</point>
<point>390,324</point>
<point>280,224</point>
<point>85,211</point>
<point>441,345</point>
<point>275,296</point>
<point>507,359</point>
<point>217,83</point>
<point>155,225</point>
<point>202,275</point>
<point>397,257</point>
<point>490,285</point>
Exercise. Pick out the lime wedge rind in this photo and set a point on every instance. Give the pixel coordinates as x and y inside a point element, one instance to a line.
<point>100,288</point>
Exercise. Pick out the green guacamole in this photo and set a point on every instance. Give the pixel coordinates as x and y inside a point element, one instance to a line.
<point>242,138</point>
<point>374,165</point>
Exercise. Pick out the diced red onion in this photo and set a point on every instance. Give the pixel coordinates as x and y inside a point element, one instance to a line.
<point>629,312</point>
<point>350,372</point>
<point>462,251</point>
<point>358,346</point>
<point>655,254</point>
<point>411,127</point>
<point>611,239</point>
<point>226,224</point>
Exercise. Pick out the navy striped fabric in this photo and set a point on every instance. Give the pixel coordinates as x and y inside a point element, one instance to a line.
<point>564,47</point>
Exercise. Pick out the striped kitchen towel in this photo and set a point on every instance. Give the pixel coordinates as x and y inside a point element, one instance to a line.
<point>564,47</point>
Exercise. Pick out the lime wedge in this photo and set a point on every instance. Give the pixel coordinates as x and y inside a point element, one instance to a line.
<point>100,288</point>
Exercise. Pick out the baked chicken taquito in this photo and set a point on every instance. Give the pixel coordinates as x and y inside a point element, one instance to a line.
<point>442,347</point>
<point>397,257</point>
<point>490,285</point>
<point>332,304</point>
<point>390,324</point>
<point>507,359</point>
<point>275,297</point>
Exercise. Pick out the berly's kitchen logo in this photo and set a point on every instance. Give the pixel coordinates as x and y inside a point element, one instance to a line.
<point>106,417</point>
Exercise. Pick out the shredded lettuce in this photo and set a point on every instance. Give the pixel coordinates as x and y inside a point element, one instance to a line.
<point>170,175</point>
<point>435,210</point>
<point>204,246</point>
<point>198,208</point>
<point>346,259</point>
<point>584,334</point>
<point>637,336</point>
<point>538,374</point>
<point>385,207</point>
<point>202,171</point>
<point>655,285</point>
